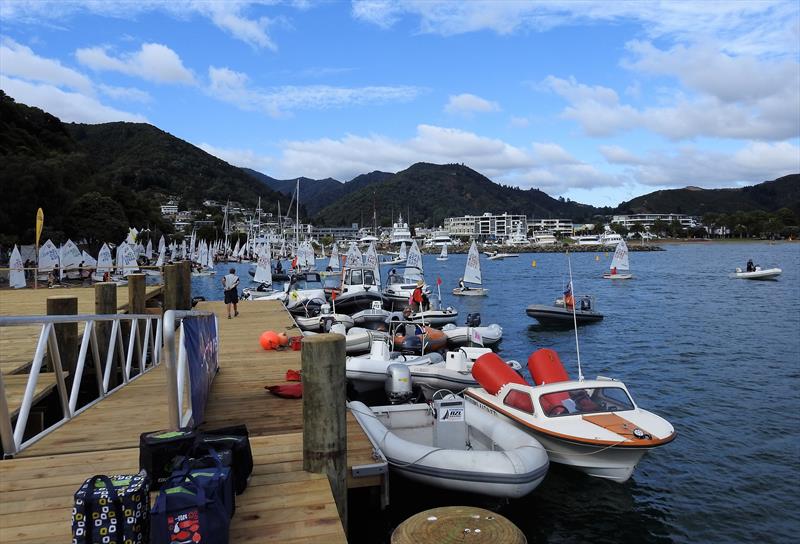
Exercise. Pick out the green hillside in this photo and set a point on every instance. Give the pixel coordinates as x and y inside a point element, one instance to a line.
<point>95,180</point>
<point>769,196</point>
<point>427,193</point>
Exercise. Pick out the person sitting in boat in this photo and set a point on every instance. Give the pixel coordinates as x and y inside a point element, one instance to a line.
<point>279,268</point>
<point>462,285</point>
<point>750,266</point>
<point>586,304</point>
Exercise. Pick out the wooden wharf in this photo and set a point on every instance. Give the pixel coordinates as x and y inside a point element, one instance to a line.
<point>282,503</point>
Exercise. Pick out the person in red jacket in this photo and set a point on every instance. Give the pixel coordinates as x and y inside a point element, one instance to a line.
<point>419,300</point>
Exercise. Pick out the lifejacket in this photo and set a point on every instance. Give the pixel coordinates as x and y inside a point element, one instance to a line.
<point>416,296</point>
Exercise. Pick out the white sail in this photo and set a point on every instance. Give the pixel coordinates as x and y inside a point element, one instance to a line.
<point>17,275</point>
<point>183,249</point>
<point>192,242</point>
<point>242,251</point>
<point>443,255</point>
<point>160,261</point>
<point>235,252</point>
<point>48,256</point>
<point>210,262</point>
<point>354,257</point>
<point>162,247</point>
<point>264,266</point>
<point>126,259</point>
<point>413,262</point>
<point>334,261</point>
<point>202,253</point>
<point>148,251</point>
<point>70,258</point>
<point>403,252</point>
<point>472,272</point>
<point>620,259</point>
<point>371,261</point>
<point>88,260</point>
<point>309,256</point>
<point>104,262</point>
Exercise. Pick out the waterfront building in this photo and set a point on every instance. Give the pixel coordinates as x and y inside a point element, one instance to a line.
<point>337,233</point>
<point>553,226</point>
<point>487,226</point>
<point>649,219</point>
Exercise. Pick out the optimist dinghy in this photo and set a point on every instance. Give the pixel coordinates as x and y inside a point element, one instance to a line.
<point>472,274</point>
<point>619,264</point>
<point>590,425</point>
<point>455,446</point>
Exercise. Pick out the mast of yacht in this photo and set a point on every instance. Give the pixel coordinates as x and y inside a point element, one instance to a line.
<point>297,217</point>
<point>226,227</point>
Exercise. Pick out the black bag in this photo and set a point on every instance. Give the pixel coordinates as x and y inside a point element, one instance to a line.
<point>158,450</point>
<point>209,472</point>
<point>112,510</point>
<point>236,440</point>
<point>185,514</point>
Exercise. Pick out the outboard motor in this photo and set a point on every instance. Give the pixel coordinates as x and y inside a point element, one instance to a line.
<point>398,383</point>
<point>411,345</point>
<point>473,320</point>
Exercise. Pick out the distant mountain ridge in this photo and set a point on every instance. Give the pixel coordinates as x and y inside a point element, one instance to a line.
<point>768,196</point>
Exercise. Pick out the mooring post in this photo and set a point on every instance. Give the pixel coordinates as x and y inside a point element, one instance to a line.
<point>105,302</point>
<point>66,333</point>
<point>136,304</point>
<point>185,298</point>
<point>171,287</point>
<point>324,417</point>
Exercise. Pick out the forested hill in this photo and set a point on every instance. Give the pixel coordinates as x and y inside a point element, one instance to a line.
<point>430,192</point>
<point>96,180</point>
<point>315,194</point>
<point>769,196</point>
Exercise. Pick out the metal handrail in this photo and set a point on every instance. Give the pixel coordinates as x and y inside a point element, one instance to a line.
<point>141,344</point>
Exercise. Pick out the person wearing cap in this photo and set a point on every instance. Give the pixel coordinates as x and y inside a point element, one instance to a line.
<point>419,300</point>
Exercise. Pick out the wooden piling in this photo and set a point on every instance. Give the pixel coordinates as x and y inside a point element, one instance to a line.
<point>105,302</point>
<point>185,273</point>
<point>171,287</point>
<point>451,524</point>
<point>324,417</point>
<point>66,333</point>
<point>136,293</point>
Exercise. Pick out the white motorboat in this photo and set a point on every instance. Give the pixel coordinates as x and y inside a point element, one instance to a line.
<point>400,232</point>
<point>399,287</point>
<point>757,274</point>
<point>454,374</point>
<point>369,372</point>
<point>358,339</point>
<point>591,425</point>
<point>494,256</point>
<point>455,446</point>
<point>433,317</point>
<point>472,275</point>
<point>443,255</point>
<point>618,270</point>
<point>372,317</point>
<point>323,321</point>
<point>485,336</point>
<point>359,290</point>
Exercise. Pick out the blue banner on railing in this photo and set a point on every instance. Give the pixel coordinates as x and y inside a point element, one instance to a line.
<point>200,342</point>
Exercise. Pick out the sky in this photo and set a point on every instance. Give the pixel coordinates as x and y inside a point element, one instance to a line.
<point>598,102</point>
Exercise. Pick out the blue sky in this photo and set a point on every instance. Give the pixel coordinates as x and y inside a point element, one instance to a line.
<point>594,101</point>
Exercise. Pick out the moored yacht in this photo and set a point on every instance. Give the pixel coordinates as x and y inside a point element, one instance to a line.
<point>400,232</point>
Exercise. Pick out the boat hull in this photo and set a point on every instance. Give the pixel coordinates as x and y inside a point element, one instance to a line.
<point>553,315</point>
<point>460,336</point>
<point>617,276</point>
<point>502,462</point>
<point>768,274</point>
<point>472,292</point>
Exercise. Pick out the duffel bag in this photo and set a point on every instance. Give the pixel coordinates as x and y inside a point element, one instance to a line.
<point>185,514</point>
<point>112,510</point>
<point>158,450</point>
<point>234,439</point>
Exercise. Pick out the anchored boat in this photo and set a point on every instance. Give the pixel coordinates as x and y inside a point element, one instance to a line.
<point>455,446</point>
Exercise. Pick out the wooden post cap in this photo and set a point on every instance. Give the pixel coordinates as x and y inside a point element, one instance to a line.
<point>462,524</point>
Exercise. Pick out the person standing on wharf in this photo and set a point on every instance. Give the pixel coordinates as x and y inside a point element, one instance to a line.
<point>230,285</point>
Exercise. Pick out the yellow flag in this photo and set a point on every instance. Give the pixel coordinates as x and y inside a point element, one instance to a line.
<point>39,224</point>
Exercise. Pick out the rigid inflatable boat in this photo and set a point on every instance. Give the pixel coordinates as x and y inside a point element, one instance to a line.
<point>369,372</point>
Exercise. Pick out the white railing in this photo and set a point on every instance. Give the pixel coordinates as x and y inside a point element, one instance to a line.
<point>142,348</point>
<point>177,366</point>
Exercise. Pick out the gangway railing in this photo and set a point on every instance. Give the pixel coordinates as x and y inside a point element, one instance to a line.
<point>140,347</point>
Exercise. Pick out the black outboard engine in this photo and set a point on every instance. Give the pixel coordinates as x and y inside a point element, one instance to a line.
<point>473,320</point>
<point>412,345</point>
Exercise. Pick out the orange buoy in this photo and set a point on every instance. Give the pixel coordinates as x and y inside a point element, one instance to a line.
<point>283,339</point>
<point>269,340</point>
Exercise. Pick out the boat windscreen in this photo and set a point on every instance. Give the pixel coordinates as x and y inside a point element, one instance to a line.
<point>585,401</point>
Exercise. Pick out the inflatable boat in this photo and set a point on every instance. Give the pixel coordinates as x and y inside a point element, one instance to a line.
<point>413,339</point>
<point>370,372</point>
<point>560,314</point>
<point>454,374</point>
<point>757,274</point>
<point>460,336</point>
<point>591,425</point>
<point>357,339</point>
<point>455,446</point>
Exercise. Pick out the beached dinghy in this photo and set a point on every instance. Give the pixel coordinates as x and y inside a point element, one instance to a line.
<point>590,425</point>
<point>455,446</point>
<point>369,372</point>
<point>757,274</point>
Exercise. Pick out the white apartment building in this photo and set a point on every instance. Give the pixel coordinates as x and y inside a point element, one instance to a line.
<point>648,219</point>
<point>487,226</point>
<point>169,209</point>
<point>554,226</point>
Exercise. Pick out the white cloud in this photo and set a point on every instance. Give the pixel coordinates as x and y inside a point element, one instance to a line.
<point>67,106</point>
<point>230,16</point>
<point>552,154</point>
<point>128,94</point>
<point>232,87</point>
<point>755,162</point>
<point>19,61</point>
<point>519,122</point>
<point>153,62</point>
<point>763,27</point>
<point>467,104</point>
<point>244,158</point>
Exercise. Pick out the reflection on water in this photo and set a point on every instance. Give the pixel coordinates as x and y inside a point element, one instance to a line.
<point>717,357</point>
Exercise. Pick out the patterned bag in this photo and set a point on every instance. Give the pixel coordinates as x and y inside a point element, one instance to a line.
<point>112,510</point>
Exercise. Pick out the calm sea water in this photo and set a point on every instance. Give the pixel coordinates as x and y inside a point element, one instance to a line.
<point>718,357</point>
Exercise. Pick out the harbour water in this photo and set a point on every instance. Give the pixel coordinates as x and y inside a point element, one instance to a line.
<point>718,357</point>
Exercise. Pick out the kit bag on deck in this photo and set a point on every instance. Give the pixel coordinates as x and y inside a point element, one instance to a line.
<point>158,450</point>
<point>210,472</point>
<point>112,510</point>
<point>188,512</point>
<point>234,439</point>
